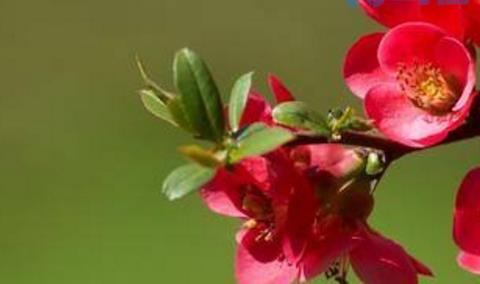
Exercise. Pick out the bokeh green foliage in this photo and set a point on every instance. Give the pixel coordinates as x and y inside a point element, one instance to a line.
<point>82,162</point>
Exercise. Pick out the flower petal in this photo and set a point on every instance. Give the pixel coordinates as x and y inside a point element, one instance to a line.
<point>302,207</point>
<point>421,268</point>
<point>282,94</point>
<point>396,117</point>
<point>469,262</point>
<point>449,17</point>
<point>392,12</point>
<point>378,260</point>
<point>418,43</point>
<point>256,263</point>
<point>466,230</point>
<point>221,195</point>
<point>256,110</point>
<point>473,14</point>
<point>334,242</point>
<point>256,171</point>
<point>337,160</point>
<point>361,68</point>
<point>455,60</point>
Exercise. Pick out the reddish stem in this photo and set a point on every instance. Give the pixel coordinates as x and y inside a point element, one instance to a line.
<point>392,149</point>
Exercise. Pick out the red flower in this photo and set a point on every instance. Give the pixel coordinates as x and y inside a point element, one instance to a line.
<point>460,20</point>
<point>466,229</point>
<point>340,235</point>
<point>417,82</point>
<point>277,204</point>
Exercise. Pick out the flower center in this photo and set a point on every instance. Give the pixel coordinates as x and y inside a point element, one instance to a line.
<point>428,88</point>
<point>256,203</point>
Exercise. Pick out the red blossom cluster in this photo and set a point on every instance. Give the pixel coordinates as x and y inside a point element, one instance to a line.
<point>304,206</point>
<point>418,84</point>
<point>305,211</point>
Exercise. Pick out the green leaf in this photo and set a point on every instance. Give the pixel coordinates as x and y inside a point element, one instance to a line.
<point>155,106</point>
<point>179,115</point>
<point>201,156</point>
<point>166,96</point>
<point>238,100</point>
<point>299,115</point>
<point>341,120</point>
<point>247,131</point>
<point>200,96</point>
<point>259,142</point>
<point>185,180</point>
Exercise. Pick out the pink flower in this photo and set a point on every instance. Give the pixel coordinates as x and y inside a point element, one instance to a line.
<point>466,229</point>
<point>417,82</point>
<point>340,235</point>
<point>460,20</point>
<point>276,202</point>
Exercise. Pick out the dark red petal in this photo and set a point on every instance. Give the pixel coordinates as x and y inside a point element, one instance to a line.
<point>466,229</point>
<point>449,17</point>
<point>256,110</point>
<point>468,196</point>
<point>378,260</point>
<point>302,207</point>
<point>422,269</point>
<point>256,171</point>
<point>281,93</point>
<point>392,12</point>
<point>473,16</point>
<point>395,12</point>
<point>333,242</point>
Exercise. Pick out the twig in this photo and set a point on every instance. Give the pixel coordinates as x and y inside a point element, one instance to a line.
<point>392,149</point>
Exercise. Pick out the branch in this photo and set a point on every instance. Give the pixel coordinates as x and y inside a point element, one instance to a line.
<point>392,149</point>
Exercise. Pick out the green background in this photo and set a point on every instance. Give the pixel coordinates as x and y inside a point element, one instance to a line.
<point>81,161</point>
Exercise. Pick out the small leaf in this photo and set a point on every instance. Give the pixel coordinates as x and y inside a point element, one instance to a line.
<point>340,120</point>
<point>166,96</point>
<point>238,100</point>
<point>361,124</point>
<point>155,106</point>
<point>259,142</point>
<point>185,180</point>
<point>179,115</point>
<point>299,115</point>
<point>247,131</point>
<point>200,96</point>
<point>201,156</point>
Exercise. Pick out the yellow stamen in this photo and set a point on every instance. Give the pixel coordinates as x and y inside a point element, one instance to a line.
<point>250,224</point>
<point>428,88</point>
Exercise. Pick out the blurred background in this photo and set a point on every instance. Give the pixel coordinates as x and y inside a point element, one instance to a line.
<point>82,163</point>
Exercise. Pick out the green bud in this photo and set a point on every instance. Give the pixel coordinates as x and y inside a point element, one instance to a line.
<point>375,164</point>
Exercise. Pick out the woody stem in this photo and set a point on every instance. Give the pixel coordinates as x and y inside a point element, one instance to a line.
<point>394,150</point>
